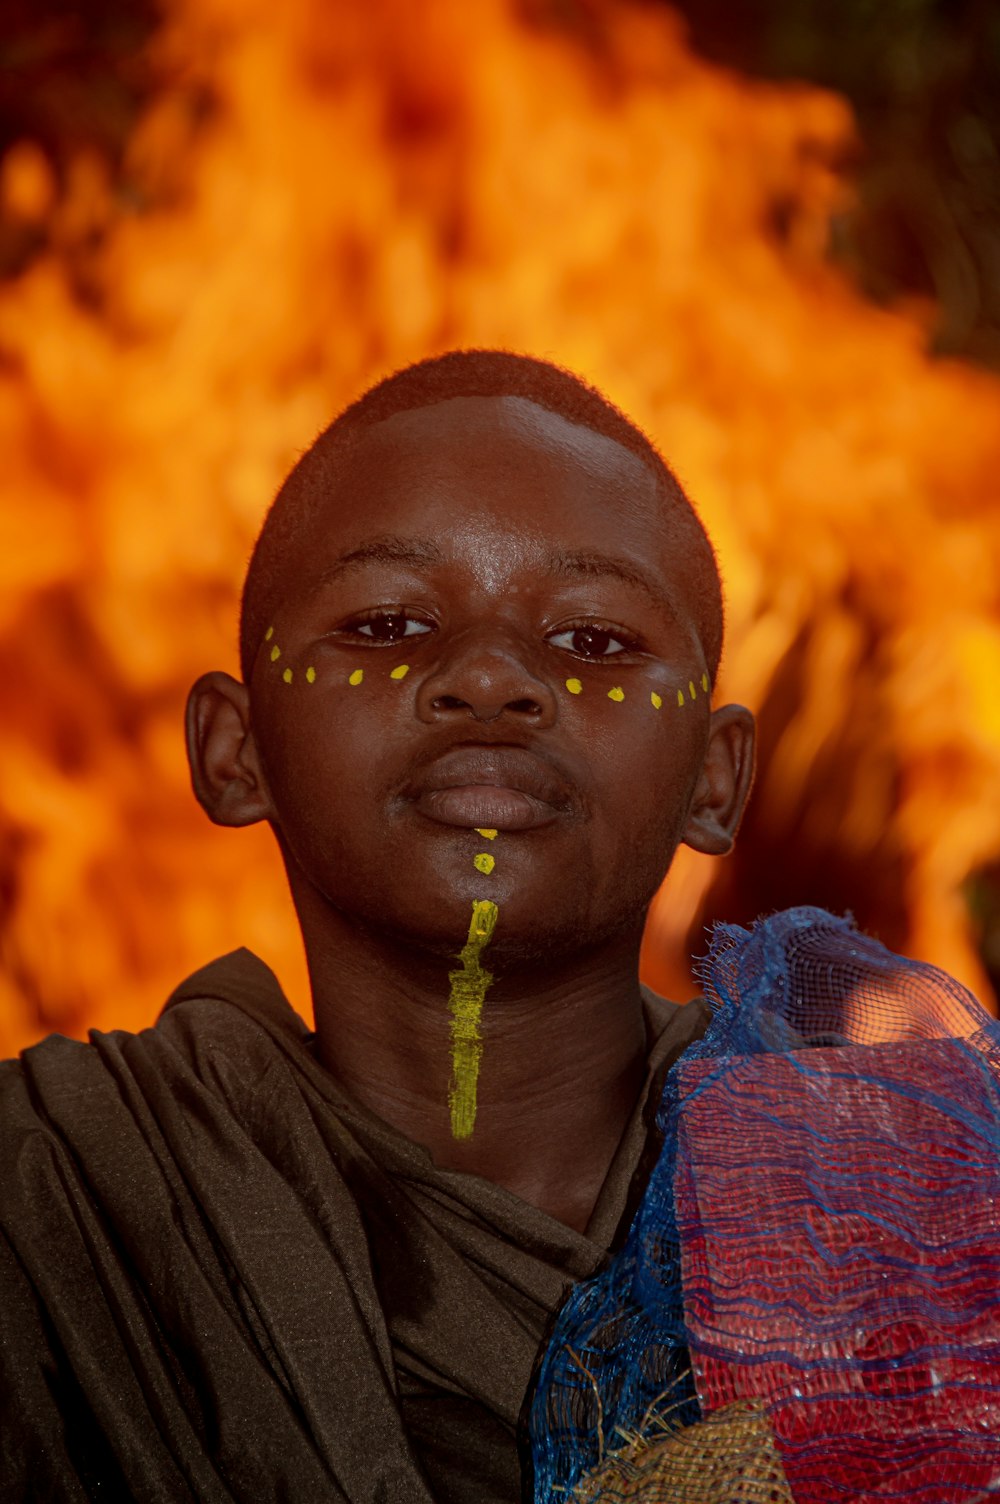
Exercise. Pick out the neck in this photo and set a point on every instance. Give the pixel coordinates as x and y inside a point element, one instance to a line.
<point>563,1052</point>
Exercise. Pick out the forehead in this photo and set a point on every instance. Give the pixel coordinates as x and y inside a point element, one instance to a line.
<point>468,433</point>
<point>502,459</point>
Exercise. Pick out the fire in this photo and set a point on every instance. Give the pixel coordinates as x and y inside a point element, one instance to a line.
<point>325,192</point>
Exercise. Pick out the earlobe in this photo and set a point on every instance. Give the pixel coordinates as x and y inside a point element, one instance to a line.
<point>724,785</point>
<point>225,767</point>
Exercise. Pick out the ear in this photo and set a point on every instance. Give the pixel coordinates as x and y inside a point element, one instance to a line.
<point>226,775</point>
<point>724,784</point>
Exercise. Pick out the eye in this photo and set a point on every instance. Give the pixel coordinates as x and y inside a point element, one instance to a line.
<point>386,626</point>
<point>592,641</point>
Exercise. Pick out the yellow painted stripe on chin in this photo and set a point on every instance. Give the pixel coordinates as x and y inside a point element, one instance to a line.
<point>469,987</point>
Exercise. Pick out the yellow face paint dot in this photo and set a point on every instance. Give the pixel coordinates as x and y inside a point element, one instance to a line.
<point>310,676</point>
<point>400,672</point>
<point>484,862</point>
<point>287,676</point>
<point>680,697</point>
<point>704,682</point>
<point>616,694</point>
<point>357,676</point>
<point>488,835</point>
<point>269,634</point>
<point>655,700</point>
<point>693,691</point>
<point>574,686</point>
<point>275,653</point>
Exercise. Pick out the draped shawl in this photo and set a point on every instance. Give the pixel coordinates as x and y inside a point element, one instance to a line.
<point>221,1280</point>
<point>805,1307</point>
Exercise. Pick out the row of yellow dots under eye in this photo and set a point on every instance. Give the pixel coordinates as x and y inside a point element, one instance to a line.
<point>400,672</point>
<point>575,686</point>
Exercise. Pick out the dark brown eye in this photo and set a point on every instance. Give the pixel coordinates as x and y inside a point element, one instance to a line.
<point>593,643</point>
<point>385,628</point>
<point>588,641</point>
<point>388,626</point>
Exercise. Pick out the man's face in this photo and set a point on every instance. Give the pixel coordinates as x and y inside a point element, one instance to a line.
<point>487,625</point>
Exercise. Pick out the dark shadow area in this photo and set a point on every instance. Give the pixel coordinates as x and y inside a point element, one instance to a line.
<point>923,77</point>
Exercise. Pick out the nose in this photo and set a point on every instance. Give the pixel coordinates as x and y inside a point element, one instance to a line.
<point>483,676</point>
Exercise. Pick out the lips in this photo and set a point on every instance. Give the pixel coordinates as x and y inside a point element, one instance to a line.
<point>506,788</point>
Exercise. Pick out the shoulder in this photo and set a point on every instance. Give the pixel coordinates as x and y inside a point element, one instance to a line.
<point>56,1066</point>
<point>231,1001</point>
<point>226,1017</point>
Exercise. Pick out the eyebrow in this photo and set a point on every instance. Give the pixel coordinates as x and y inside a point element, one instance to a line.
<point>610,567</point>
<point>385,549</point>
<point>389,548</point>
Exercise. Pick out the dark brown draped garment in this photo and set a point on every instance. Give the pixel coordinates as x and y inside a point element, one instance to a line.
<point>221,1280</point>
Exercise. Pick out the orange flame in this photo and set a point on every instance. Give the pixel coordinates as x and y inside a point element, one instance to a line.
<point>325,192</point>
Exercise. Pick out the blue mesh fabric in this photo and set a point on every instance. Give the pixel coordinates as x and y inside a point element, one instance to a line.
<point>845,1021</point>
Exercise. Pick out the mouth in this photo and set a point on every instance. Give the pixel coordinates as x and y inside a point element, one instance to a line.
<point>501,788</point>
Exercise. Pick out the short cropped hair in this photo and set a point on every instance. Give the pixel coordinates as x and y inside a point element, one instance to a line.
<point>467,373</point>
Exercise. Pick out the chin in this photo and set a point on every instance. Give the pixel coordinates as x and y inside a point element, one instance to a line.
<point>541,922</point>
<point>537,938</point>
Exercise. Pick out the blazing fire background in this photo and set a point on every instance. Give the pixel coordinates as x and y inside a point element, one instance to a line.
<point>222,219</point>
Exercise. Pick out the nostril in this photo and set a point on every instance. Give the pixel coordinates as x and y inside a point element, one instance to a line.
<point>525,706</point>
<point>450,702</point>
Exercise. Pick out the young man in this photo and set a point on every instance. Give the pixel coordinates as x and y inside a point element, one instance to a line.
<point>479,633</point>
<point>242,1262</point>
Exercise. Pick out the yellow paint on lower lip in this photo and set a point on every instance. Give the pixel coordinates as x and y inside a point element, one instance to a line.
<point>400,672</point>
<point>574,686</point>
<point>357,676</point>
<point>484,862</point>
<point>617,693</point>
<point>655,700</point>
<point>488,835</point>
<point>469,987</point>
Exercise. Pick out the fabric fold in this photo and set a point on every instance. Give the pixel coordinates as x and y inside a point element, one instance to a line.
<point>222,1280</point>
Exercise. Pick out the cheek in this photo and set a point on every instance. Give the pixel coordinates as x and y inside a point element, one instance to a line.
<point>649,735</point>
<point>324,783</point>
<point>319,730</point>
<point>649,759</point>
